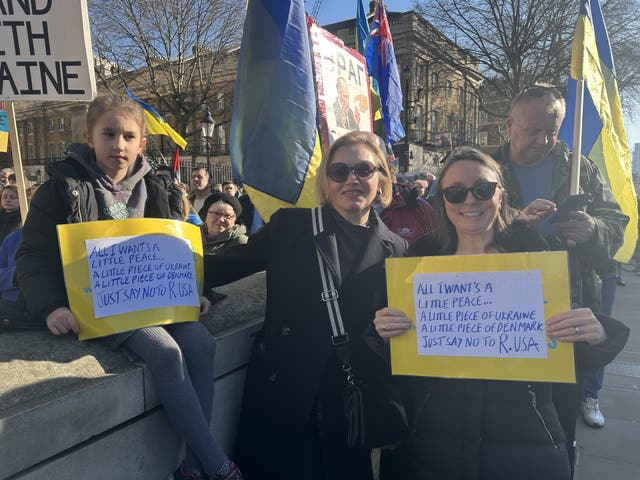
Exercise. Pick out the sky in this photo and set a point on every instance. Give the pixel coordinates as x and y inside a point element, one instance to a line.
<point>336,10</point>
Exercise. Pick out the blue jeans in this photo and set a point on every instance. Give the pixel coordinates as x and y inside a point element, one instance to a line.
<point>592,381</point>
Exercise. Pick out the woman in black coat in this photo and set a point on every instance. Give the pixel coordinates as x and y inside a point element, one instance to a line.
<point>485,429</point>
<point>292,424</point>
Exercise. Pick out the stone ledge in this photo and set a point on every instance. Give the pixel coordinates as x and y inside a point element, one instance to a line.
<point>56,392</point>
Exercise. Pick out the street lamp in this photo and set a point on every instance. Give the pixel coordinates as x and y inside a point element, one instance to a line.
<point>207,125</point>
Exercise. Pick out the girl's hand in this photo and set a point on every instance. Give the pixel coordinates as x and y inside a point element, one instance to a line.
<point>578,325</point>
<point>205,305</point>
<point>61,321</point>
<point>390,322</point>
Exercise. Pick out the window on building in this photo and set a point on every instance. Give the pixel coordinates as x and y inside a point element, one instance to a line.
<point>63,147</point>
<point>52,151</point>
<point>460,130</point>
<point>448,126</point>
<point>460,96</point>
<point>29,152</point>
<point>482,116</point>
<point>434,121</point>
<point>51,124</point>
<point>29,128</point>
<point>420,75</point>
<point>435,80</point>
<point>222,137</point>
<point>469,131</point>
<point>447,88</point>
<point>220,102</point>
<point>419,123</point>
<point>483,138</point>
<point>61,124</point>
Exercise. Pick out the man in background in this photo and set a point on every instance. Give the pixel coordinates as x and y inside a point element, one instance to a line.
<point>537,169</point>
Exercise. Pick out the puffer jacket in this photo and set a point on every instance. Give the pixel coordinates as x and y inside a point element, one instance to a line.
<point>69,197</point>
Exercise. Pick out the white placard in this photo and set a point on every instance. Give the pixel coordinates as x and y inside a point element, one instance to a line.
<point>45,50</point>
<point>480,314</point>
<point>129,274</point>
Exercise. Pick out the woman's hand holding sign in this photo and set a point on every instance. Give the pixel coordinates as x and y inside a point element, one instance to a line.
<point>390,322</point>
<point>578,325</point>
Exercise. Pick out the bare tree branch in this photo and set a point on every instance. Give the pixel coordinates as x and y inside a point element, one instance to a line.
<point>518,42</point>
<point>172,49</point>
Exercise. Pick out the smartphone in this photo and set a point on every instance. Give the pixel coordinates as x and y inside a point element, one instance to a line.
<point>573,203</point>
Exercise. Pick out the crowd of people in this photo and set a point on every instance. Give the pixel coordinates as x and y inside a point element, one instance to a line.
<point>327,324</point>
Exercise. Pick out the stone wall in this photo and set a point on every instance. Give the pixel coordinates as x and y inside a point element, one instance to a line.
<point>71,409</point>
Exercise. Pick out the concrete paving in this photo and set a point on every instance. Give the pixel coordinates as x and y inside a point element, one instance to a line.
<point>613,452</point>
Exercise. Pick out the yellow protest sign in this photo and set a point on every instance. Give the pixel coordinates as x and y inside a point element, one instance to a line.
<point>126,274</point>
<point>481,316</point>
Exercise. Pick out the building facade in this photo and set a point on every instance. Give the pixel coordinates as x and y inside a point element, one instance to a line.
<point>46,128</point>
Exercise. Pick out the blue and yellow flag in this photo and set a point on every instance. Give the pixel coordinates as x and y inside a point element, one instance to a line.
<point>275,147</point>
<point>604,139</point>
<point>4,131</point>
<point>156,124</point>
<point>362,37</point>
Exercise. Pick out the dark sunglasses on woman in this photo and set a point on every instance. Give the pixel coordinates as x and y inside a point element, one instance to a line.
<point>482,191</point>
<point>339,172</point>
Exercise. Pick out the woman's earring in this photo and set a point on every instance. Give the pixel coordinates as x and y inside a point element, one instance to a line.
<point>379,193</point>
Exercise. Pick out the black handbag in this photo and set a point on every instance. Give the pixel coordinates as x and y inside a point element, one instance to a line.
<point>372,420</point>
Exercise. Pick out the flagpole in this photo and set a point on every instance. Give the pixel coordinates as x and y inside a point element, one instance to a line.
<point>17,161</point>
<point>577,138</point>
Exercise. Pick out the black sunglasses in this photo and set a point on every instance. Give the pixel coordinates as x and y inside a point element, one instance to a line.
<point>339,172</point>
<point>482,191</point>
<point>538,90</point>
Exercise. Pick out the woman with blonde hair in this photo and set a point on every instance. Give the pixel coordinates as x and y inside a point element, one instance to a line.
<point>293,423</point>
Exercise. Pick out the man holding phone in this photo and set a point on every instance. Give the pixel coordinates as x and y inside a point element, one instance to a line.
<point>537,171</point>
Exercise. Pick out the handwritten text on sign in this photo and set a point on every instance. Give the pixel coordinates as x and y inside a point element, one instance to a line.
<point>129,274</point>
<point>480,314</point>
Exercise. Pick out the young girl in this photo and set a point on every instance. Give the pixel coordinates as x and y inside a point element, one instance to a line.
<point>9,211</point>
<point>108,179</point>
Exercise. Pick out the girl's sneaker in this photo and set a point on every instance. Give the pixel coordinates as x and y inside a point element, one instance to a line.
<point>182,474</point>
<point>229,471</point>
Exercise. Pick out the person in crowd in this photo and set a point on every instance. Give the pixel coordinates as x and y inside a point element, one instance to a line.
<point>5,175</point>
<point>220,230</point>
<point>486,429</point>
<point>217,187</point>
<point>421,186</point>
<point>13,310</point>
<point>108,179</point>
<point>249,217</point>
<point>10,219</point>
<point>408,216</point>
<point>292,424</point>
<point>230,188</point>
<point>200,187</point>
<point>189,213</point>
<point>536,168</point>
<point>429,177</point>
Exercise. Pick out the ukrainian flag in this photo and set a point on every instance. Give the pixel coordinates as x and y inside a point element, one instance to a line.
<point>4,131</point>
<point>604,139</point>
<point>362,37</point>
<point>275,147</point>
<point>155,123</point>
